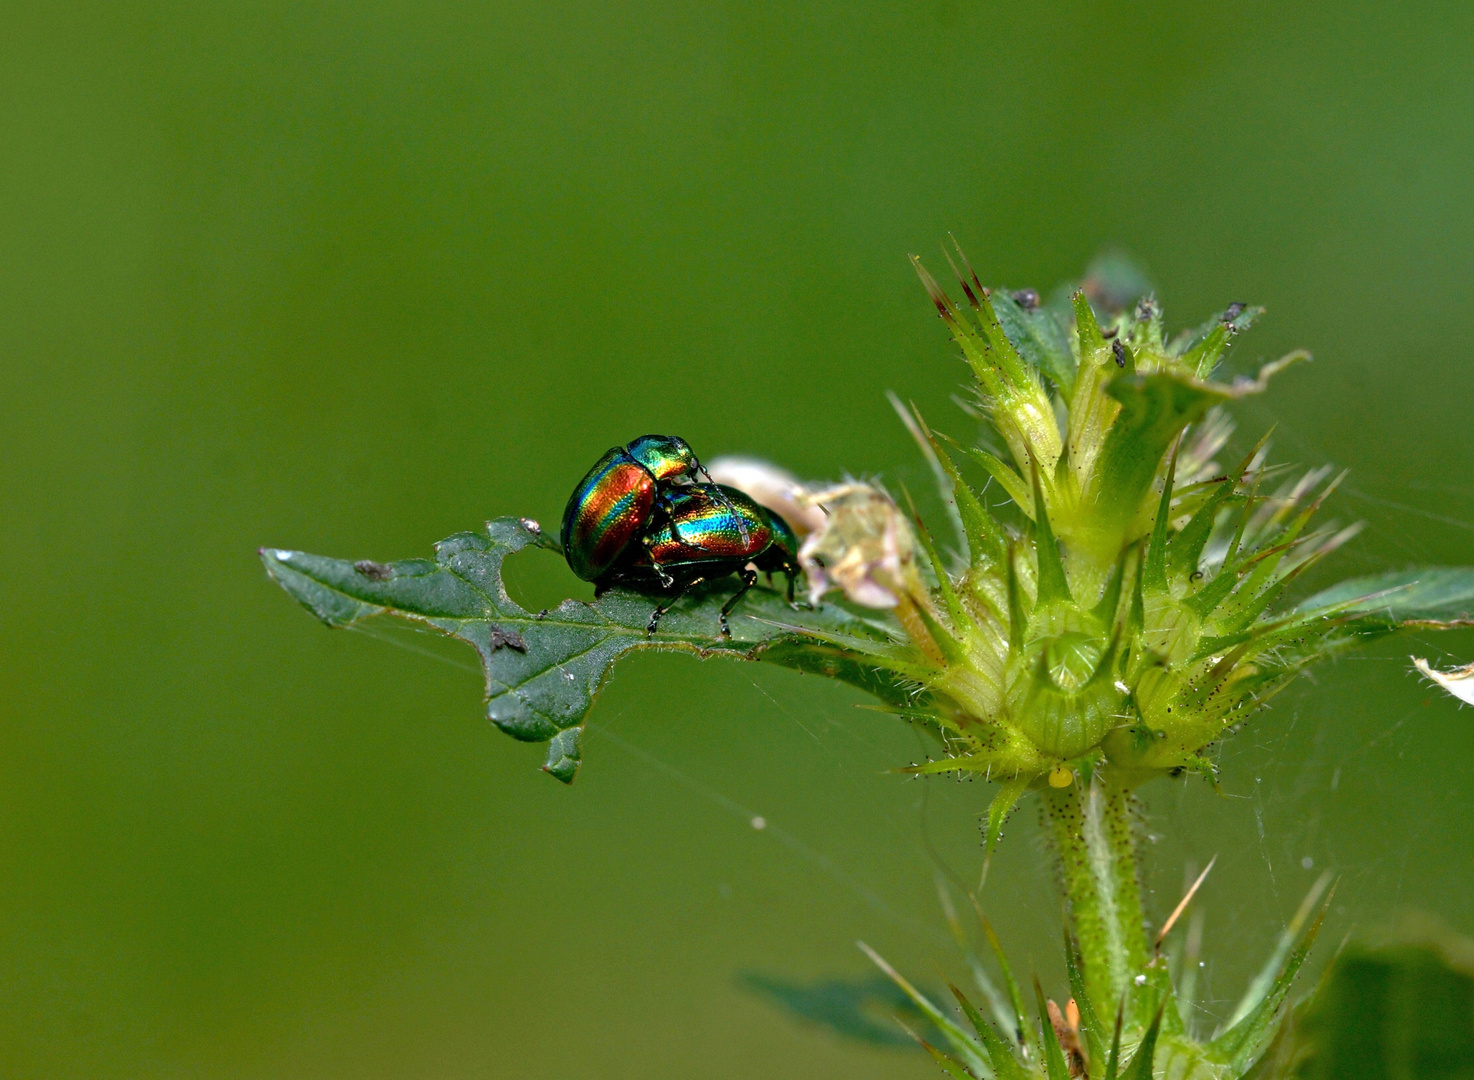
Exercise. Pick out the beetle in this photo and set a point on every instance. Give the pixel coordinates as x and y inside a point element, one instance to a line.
<point>619,497</point>
<point>707,531</point>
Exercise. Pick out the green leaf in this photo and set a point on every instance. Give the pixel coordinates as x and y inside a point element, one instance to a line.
<point>1154,409</point>
<point>1185,549</point>
<point>1024,1030</point>
<point>1007,797</point>
<point>1141,1063</point>
<point>1051,583</point>
<point>1038,337</point>
<point>853,1008</point>
<point>984,537</point>
<point>1432,596</point>
<point>1089,1021</point>
<point>1252,1020</point>
<point>1014,485</point>
<point>543,670</point>
<point>1000,1053</point>
<point>970,1052</point>
<point>1087,331</point>
<point>1202,347</point>
<point>1154,575</point>
<point>1399,1010</point>
<point>1278,1060</point>
<point>1113,1065</point>
<point>950,1066</point>
<point>1054,1057</point>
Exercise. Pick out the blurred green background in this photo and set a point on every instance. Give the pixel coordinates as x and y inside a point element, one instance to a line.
<point>351,277</point>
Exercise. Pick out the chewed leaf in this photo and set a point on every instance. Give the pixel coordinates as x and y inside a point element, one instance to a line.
<point>543,670</point>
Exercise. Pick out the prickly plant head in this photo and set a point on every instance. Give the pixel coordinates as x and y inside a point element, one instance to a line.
<point>1123,613</point>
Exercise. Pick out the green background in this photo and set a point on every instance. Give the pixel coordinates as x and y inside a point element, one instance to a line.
<point>351,277</point>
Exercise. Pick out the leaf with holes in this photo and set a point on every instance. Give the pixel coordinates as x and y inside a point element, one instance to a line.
<point>543,670</point>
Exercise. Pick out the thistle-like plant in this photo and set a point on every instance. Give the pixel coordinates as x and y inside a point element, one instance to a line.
<point>1112,605</point>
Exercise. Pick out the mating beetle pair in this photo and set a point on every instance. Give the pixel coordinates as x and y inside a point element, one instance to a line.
<point>641,518</point>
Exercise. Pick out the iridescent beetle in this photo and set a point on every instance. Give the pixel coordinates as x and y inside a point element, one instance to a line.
<point>708,531</point>
<point>619,498</point>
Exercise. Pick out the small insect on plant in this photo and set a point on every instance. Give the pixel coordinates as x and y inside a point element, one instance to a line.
<point>1130,608</point>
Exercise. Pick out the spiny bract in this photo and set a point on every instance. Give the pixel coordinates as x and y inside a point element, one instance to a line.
<point>1124,620</point>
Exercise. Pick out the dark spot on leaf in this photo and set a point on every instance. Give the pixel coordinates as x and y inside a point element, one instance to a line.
<point>510,638</point>
<point>1120,351</point>
<point>1147,309</point>
<point>374,571</point>
<point>1234,311</point>
<point>1027,299</point>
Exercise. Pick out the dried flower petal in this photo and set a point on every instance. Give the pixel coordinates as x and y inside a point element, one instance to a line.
<point>1459,682</point>
<point>866,547</point>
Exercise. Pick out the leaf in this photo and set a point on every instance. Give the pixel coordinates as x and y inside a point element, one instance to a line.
<point>1054,1057</point>
<point>1007,797</point>
<point>1024,1030</point>
<point>1402,1009</point>
<point>1014,485</point>
<point>961,1042</point>
<point>984,537</point>
<point>1141,1063</point>
<point>1432,596</point>
<point>1038,337</point>
<point>950,1066</point>
<point>1256,1012</point>
<point>1089,1022</point>
<point>1113,1064</point>
<point>949,485</point>
<point>1154,409</point>
<point>1202,347</point>
<point>1050,581</point>
<point>544,670</point>
<point>1005,1065</point>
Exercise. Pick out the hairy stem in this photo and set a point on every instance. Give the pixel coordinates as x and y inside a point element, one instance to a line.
<point>1091,830</point>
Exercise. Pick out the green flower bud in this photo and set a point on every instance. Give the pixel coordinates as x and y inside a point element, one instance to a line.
<point>1125,619</point>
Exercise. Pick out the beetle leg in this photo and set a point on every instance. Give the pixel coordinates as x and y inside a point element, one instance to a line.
<point>666,581</point>
<point>661,609</point>
<point>748,577</point>
<point>797,605</point>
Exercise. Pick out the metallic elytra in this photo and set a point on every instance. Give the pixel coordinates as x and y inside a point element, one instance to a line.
<point>613,504</point>
<point>708,531</point>
<point>703,526</point>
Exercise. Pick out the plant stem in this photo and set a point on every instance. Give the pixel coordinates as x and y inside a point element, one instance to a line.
<point>1091,829</point>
